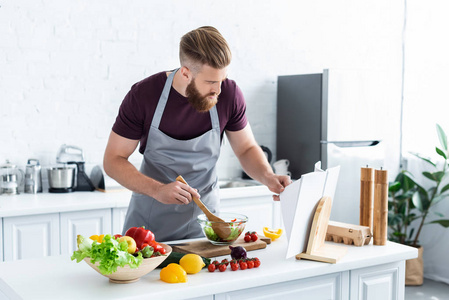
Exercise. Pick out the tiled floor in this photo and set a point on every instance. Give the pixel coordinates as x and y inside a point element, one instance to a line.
<point>430,290</point>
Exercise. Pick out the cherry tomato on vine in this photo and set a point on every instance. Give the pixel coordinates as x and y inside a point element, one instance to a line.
<point>234,266</point>
<point>250,264</point>
<point>211,268</point>
<point>254,236</point>
<point>222,267</point>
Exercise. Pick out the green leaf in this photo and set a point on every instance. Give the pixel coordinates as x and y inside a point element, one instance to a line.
<point>406,181</point>
<point>398,234</point>
<point>444,223</point>
<point>422,191</point>
<point>435,176</point>
<point>394,187</point>
<point>439,175</point>
<point>424,158</point>
<point>444,189</point>
<point>428,175</point>
<point>416,199</point>
<point>425,204</point>
<point>440,152</point>
<point>411,233</point>
<point>442,137</point>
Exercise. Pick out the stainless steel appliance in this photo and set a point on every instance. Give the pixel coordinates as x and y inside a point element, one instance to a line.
<point>335,117</point>
<point>33,177</point>
<point>66,177</point>
<point>10,179</point>
<point>61,179</point>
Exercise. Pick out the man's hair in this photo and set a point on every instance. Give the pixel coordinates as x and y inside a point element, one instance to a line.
<point>204,45</point>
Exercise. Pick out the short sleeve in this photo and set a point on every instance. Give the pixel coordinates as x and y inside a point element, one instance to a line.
<point>130,119</point>
<point>237,120</point>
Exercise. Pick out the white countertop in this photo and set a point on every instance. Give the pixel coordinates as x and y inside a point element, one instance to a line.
<point>43,203</point>
<point>60,278</point>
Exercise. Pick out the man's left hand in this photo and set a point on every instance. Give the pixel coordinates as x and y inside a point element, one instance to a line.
<point>277,184</point>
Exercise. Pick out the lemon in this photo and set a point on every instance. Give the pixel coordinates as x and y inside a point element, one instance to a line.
<point>192,263</point>
<point>173,273</point>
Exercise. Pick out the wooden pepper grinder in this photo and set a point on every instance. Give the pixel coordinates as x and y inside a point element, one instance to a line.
<point>366,197</point>
<point>380,222</point>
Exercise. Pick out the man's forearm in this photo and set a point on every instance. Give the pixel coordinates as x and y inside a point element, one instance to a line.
<point>255,164</point>
<point>125,173</point>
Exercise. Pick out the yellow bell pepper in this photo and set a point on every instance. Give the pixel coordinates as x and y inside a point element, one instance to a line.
<point>273,234</point>
<point>97,238</point>
<point>173,273</point>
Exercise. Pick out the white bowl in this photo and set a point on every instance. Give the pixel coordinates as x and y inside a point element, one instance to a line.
<point>127,275</point>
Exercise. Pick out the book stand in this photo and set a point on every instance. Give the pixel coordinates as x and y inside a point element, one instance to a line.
<point>316,248</point>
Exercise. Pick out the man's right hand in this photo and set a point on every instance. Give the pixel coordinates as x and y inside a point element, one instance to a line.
<point>175,193</point>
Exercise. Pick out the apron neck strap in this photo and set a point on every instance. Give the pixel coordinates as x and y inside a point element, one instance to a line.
<point>163,100</point>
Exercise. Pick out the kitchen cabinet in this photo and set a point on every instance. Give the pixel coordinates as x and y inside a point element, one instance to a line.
<point>85,223</point>
<point>378,282</point>
<point>35,237</point>
<point>332,286</point>
<point>118,219</point>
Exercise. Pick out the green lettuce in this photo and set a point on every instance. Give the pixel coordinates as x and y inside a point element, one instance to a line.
<point>84,248</point>
<point>110,254</point>
<point>211,235</point>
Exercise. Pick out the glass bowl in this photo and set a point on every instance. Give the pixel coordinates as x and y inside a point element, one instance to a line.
<point>235,221</point>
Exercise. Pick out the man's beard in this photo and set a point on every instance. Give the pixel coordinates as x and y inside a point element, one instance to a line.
<point>200,102</point>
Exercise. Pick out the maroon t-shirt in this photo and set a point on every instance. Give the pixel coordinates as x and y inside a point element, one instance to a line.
<point>179,120</point>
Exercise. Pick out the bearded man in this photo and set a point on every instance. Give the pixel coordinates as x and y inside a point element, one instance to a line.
<point>179,117</point>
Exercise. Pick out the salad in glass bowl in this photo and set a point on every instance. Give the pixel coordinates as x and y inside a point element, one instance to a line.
<point>236,223</point>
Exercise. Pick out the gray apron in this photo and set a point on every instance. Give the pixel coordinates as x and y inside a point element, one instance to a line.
<point>164,159</point>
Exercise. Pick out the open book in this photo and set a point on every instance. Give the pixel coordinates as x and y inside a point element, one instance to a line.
<point>299,201</point>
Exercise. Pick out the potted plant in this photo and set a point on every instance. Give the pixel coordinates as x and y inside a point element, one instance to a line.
<point>410,203</point>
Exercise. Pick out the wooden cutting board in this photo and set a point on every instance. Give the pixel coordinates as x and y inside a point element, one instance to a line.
<point>206,249</point>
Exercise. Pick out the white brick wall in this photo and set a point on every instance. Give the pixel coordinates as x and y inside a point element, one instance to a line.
<point>65,66</point>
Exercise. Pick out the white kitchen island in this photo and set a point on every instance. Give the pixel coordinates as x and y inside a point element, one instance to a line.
<point>46,224</point>
<point>368,272</point>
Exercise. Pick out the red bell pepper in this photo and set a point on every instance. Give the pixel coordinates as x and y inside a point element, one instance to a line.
<point>140,235</point>
<point>157,247</point>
